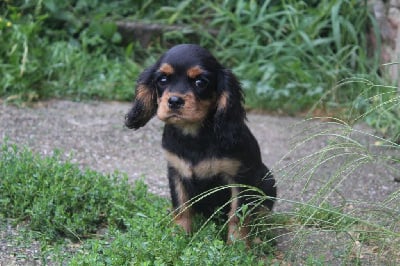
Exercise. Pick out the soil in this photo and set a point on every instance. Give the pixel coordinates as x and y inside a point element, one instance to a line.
<point>92,135</point>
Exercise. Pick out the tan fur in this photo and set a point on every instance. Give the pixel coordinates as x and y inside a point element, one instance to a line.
<point>190,129</point>
<point>225,166</point>
<point>183,216</point>
<point>166,69</point>
<point>236,231</point>
<point>189,117</point>
<point>194,72</point>
<point>184,168</point>
<point>204,169</point>
<point>146,96</point>
<point>223,101</point>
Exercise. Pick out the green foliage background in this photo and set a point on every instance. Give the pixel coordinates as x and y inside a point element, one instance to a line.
<point>288,54</point>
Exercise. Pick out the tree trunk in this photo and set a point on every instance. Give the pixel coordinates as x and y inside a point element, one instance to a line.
<point>387,15</point>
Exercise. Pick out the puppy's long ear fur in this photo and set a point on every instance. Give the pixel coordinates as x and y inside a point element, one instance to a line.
<point>145,102</point>
<point>230,115</point>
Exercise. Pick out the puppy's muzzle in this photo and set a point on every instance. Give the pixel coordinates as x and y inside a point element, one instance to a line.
<point>175,102</point>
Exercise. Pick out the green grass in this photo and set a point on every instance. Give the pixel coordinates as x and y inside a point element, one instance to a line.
<point>111,221</point>
<point>361,228</point>
<point>363,100</point>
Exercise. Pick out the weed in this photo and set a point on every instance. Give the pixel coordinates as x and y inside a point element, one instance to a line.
<point>368,101</point>
<point>355,228</point>
<point>325,216</point>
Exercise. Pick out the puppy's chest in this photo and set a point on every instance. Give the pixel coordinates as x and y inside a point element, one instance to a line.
<point>205,168</point>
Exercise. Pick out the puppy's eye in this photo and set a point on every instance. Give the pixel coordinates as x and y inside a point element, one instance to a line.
<point>162,81</point>
<point>200,83</point>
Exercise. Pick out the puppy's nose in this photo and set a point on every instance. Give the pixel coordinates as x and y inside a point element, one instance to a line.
<point>175,102</point>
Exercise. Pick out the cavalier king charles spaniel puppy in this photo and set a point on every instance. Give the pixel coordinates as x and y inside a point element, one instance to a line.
<point>206,141</point>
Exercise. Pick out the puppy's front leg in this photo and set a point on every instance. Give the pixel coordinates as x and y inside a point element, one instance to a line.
<point>180,198</point>
<point>237,230</point>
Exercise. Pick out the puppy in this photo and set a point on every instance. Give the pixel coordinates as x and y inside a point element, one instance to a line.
<point>206,141</point>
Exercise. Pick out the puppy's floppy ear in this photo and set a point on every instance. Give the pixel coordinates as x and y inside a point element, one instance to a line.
<point>145,102</point>
<point>230,114</point>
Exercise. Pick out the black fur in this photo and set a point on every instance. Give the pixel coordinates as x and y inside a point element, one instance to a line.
<point>222,133</point>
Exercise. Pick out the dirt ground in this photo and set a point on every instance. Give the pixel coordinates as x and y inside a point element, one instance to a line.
<point>93,135</point>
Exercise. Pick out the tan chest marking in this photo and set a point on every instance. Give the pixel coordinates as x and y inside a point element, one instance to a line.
<point>204,169</point>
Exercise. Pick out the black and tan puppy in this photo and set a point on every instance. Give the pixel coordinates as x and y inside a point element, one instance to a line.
<point>206,141</point>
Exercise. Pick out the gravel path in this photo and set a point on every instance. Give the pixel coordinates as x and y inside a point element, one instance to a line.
<point>93,134</point>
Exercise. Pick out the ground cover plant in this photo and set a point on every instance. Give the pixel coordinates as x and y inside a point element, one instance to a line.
<point>111,221</point>
<point>75,203</point>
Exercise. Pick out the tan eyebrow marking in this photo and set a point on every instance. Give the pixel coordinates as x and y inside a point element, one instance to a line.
<point>166,69</point>
<point>194,72</point>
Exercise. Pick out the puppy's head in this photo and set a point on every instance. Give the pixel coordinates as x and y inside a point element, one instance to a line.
<point>187,87</point>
